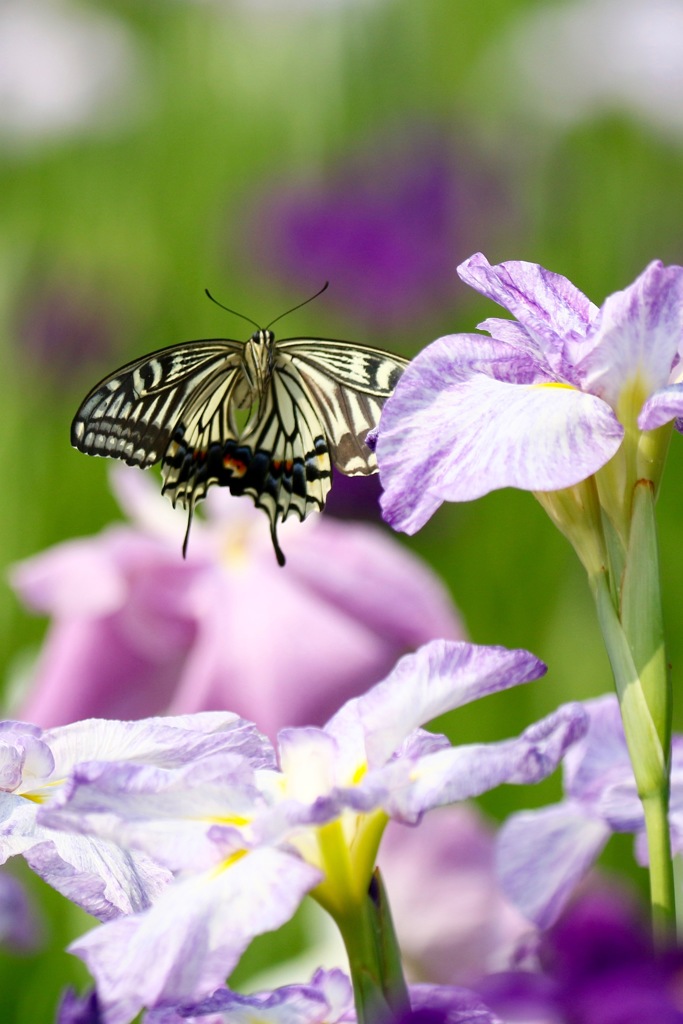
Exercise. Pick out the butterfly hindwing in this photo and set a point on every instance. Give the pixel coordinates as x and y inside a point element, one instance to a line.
<point>281,459</point>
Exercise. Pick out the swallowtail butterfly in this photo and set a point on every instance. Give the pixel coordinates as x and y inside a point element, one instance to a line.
<point>265,418</point>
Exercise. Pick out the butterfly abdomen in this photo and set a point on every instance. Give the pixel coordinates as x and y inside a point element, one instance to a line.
<point>188,472</point>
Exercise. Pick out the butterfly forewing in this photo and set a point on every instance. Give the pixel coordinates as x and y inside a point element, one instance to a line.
<point>131,414</point>
<point>304,405</point>
<point>357,367</point>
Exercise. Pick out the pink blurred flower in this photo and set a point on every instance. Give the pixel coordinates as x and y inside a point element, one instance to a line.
<point>452,920</point>
<point>137,631</point>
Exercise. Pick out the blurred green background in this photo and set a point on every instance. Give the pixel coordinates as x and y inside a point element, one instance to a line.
<point>151,149</point>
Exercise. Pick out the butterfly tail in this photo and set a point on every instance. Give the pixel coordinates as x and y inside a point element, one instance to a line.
<point>279,553</point>
<point>187,531</point>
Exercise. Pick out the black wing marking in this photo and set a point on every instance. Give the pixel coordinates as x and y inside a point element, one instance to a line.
<point>132,413</point>
<point>348,384</point>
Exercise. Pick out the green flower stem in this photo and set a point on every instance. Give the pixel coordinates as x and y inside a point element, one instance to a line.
<point>358,928</point>
<point>390,954</point>
<point>357,902</point>
<point>379,988</point>
<point>634,638</point>
<point>641,612</point>
<point>662,891</point>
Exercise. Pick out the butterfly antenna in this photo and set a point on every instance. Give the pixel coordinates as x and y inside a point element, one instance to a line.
<point>234,311</point>
<point>300,304</point>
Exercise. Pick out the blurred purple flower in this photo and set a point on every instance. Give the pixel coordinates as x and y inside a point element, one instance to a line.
<point>385,227</point>
<point>20,927</point>
<point>453,922</point>
<point>445,1004</point>
<point>355,497</point>
<point>136,630</point>
<point>75,1009</point>
<point>60,329</point>
<point>598,966</point>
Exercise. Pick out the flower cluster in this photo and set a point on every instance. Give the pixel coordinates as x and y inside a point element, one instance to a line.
<point>246,831</point>
<point>190,835</point>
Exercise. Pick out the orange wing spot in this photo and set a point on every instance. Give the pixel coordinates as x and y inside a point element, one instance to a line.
<point>198,455</point>
<point>276,463</point>
<point>235,466</point>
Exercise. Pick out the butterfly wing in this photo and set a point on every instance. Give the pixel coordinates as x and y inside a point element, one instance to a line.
<point>132,413</point>
<point>348,384</point>
<point>317,401</point>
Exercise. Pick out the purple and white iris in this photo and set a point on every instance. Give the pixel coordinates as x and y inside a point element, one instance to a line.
<point>543,854</point>
<point>542,403</point>
<point>36,767</point>
<point>246,841</point>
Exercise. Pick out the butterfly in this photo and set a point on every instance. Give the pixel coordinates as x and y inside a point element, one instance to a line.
<point>267,418</point>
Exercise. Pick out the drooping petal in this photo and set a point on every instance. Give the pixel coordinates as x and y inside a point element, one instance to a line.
<point>676,801</point>
<point>543,854</point>
<point>183,948</point>
<point>439,677</point>
<point>451,918</point>
<point>449,433</point>
<point>600,759</point>
<point>97,875</point>
<point>461,772</point>
<point>637,335</point>
<point>661,407</point>
<point>446,1004</point>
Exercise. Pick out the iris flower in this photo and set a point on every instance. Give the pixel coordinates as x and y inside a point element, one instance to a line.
<point>543,854</point>
<point>575,403</point>
<point>543,402</point>
<point>36,764</point>
<point>247,843</point>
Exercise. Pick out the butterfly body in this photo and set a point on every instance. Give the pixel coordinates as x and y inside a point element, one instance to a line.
<point>264,418</point>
